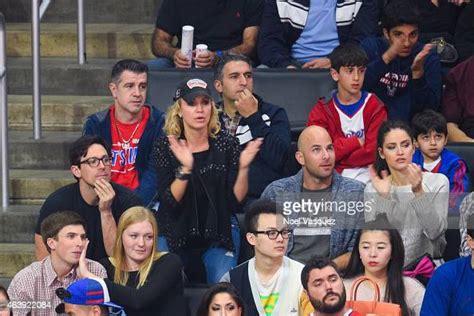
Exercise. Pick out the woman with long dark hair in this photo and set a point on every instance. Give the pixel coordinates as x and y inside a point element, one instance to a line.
<point>415,202</point>
<point>379,254</point>
<point>221,299</point>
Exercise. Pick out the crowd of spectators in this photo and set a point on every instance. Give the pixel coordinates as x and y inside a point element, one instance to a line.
<point>388,187</point>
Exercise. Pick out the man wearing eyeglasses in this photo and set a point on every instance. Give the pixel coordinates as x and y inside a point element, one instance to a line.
<point>99,201</point>
<point>269,282</point>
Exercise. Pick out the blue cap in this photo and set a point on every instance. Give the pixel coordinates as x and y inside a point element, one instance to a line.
<point>85,292</point>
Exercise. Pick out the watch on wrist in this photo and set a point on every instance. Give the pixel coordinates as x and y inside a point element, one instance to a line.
<point>181,175</point>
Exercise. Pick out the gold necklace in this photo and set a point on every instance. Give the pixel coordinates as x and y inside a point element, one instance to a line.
<point>126,143</point>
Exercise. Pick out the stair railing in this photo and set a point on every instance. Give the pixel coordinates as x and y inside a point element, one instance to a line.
<point>37,12</point>
<point>3,117</point>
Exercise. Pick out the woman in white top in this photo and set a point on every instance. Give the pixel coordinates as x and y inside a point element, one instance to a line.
<point>416,202</point>
<point>379,255</point>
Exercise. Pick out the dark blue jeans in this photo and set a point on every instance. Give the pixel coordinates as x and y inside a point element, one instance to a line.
<point>216,259</point>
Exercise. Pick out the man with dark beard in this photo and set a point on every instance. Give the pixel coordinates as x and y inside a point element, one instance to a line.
<point>322,283</point>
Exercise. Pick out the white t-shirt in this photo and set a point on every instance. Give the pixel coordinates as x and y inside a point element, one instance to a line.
<point>280,295</point>
<point>429,166</point>
<point>269,291</point>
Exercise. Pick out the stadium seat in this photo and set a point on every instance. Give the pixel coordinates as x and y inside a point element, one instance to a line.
<point>465,151</point>
<point>297,91</point>
<point>193,295</point>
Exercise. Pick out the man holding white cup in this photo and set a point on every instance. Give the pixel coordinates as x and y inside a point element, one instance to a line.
<point>221,25</point>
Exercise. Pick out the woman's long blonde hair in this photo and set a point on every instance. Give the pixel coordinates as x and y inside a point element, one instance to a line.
<point>174,120</point>
<point>136,214</point>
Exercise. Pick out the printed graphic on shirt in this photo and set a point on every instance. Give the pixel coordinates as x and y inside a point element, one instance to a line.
<point>125,140</point>
<point>124,159</point>
<point>394,82</point>
<point>269,302</point>
<point>352,116</point>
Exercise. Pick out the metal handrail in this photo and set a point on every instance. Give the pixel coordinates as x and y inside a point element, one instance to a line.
<point>37,12</point>
<point>81,31</point>
<point>4,168</point>
<point>35,54</point>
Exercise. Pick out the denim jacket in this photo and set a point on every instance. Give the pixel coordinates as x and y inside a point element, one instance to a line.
<point>342,188</point>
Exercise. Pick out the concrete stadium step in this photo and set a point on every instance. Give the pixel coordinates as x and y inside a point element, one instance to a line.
<point>58,113</point>
<point>103,11</point>
<point>50,152</point>
<point>33,186</point>
<point>14,257</point>
<point>17,224</point>
<point>102,40</point>
<point>5,282</point>
<point>61,76</point>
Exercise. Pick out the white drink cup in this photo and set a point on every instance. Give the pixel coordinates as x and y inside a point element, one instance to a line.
<point>200,49</point>
<point>187,42</point>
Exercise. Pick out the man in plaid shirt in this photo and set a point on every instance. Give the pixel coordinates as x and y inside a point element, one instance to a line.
<point>32,290</point>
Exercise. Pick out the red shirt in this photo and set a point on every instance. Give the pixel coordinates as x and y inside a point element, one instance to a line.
<point>349,152</point>
<point>125,139</point>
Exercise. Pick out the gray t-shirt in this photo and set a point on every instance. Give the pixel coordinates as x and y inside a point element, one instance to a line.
<point>311,241</point>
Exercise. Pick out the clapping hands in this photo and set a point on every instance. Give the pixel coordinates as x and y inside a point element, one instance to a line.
<point>382,184</point>
<point>181,151</point>
<point>248,154</point>
<point>418,65</point>
<point>414,175</point>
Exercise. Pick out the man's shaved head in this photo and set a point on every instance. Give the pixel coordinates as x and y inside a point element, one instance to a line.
<point>312,132</point>
<point>315,154</point>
